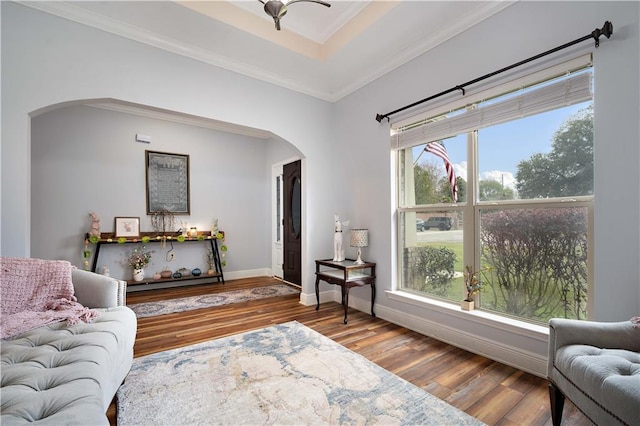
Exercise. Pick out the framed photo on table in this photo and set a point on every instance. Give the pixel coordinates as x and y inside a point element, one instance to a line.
<point>167,182</point>
<point>127,227</point>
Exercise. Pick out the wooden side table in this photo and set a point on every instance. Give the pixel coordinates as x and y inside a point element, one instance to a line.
<point>346,274</point>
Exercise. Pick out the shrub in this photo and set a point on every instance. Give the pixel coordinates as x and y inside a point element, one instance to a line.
<point>430,269</point>
<point>539,261</point>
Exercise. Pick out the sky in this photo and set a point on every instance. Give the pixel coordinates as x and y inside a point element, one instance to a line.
<point>502,147</point>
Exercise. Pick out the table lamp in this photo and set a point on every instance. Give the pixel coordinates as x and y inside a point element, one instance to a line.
<point>359,238</point>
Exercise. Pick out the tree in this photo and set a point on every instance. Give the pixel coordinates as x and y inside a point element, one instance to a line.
<point>432,184</point>
<point>538,260</point>
<point>426,177</point>
<point>462,189</point>
<point>444,194</point>
<point>568,169</point>
<point>493,190</point>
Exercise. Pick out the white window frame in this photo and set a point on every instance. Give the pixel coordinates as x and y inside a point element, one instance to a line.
<point>471,206</point>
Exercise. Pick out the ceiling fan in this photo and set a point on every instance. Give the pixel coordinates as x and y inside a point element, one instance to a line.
<point>277,9</point>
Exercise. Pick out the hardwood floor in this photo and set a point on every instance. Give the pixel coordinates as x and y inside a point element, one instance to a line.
<point>491,392</point>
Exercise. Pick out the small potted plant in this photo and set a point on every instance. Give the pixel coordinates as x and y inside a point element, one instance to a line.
<point>138,259</point>
<point>473,285</point>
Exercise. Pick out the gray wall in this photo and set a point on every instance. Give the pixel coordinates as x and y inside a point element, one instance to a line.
<point>77,63</point>
<point>518,32</point>
<point>88,158</point>
<point>70,66</point>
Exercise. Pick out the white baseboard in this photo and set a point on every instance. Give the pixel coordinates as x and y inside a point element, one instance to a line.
<point>309,299</point>
<point>514,357</point>
<point>249,273</point>
<point>521,359</point>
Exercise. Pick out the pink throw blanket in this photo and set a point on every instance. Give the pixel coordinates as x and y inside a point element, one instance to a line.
<point>37,292</point>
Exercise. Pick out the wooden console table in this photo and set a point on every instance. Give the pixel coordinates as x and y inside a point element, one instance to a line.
<point>152,237</point>
<point>346,274</point>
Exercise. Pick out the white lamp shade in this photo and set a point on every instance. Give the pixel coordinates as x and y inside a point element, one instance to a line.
<point>359,238</point>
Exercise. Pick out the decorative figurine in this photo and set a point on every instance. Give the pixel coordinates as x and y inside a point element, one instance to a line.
<point>338,249</point>
<point>95,225</point>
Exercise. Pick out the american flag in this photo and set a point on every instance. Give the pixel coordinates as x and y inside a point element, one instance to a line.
<point>439,150</point>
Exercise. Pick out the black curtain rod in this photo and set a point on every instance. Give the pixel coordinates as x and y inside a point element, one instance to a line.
<point>606,30</point>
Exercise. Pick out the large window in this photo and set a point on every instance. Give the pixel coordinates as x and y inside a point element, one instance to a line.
<point>504,185</point>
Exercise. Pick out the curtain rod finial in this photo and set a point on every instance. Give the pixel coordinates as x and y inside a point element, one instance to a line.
<point>379,117</point>
<point>606,30</point>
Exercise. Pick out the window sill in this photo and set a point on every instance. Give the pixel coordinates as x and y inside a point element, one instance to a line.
<point>489,319</point>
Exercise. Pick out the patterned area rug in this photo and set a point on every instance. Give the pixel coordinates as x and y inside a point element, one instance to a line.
<point>162,307</point>
<point>285,374</point>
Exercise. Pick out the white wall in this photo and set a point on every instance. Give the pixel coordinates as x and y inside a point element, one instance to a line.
<point>46,60</point>
<point>89,158</point>
<point>518,32</point>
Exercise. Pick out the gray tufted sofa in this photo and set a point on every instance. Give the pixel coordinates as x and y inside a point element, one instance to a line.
<point>68,375</point>
<point>597,366</point>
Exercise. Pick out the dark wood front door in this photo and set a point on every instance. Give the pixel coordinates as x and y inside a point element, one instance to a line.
<point>292,248</point>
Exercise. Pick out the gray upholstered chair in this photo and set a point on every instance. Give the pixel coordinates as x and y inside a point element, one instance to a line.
<point>597,366</point>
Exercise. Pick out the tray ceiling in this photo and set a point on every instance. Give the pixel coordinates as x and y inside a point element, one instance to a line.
<point>322,52</point>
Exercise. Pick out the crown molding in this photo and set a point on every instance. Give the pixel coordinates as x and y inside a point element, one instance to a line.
<point>82,16</point>
<point>260,26</point>
<point>421,44</point>
<point>352,11</point>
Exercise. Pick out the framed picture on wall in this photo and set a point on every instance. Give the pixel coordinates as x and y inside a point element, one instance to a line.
<point>128,227</point>
<point>167,178</point>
